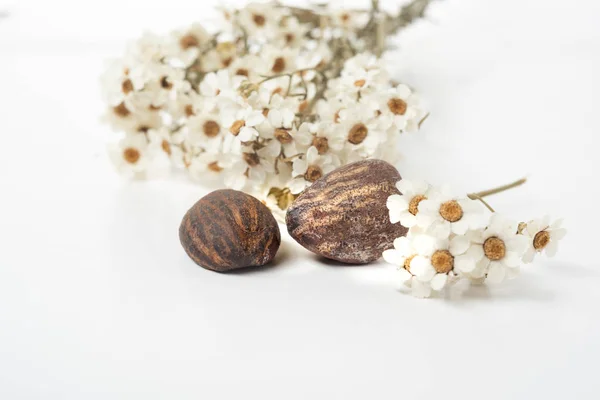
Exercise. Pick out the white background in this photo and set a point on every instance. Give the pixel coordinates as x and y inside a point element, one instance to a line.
<point>99,301</point>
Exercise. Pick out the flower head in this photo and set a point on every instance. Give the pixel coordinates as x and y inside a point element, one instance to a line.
<point>498,250</point>
<point>404,207</point>
<point>443,213</point>
<point>543,237</point>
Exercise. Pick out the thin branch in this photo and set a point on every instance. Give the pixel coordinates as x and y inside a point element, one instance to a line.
<point>474,196</point>
<point>407,15</point>
<point>498,189</point>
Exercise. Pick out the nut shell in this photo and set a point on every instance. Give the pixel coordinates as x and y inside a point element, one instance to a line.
<point>228,229</point>
<point>343,216</point>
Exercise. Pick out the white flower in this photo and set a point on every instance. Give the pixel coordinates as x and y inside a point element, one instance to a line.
<point>248,172</point>
<point>361,130</point>
<point>321,135</point>
<point>444,213</point>
<point>291,32</point>
<point>278,60</point>
<point>543,236</point>
<point>205,129</point>
<point>207,165</point>
<point>184,46</point>
<point>308,169</point>
<point>498,249</point>
<point>399,107</point>
<point>246,67</point>
<point>163,143</point>
<point>242,122</point>
<point>147,49</point>
<point>401,256</point>
<point>348,19</point>
<point>130,155</point>
<point>260,20</point>
<point>282,114</point>
<point>404,207</point>
<point>218,83</point>
<point>437,259</point>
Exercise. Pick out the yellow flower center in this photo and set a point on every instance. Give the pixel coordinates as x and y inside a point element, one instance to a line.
<point>278,65</point>
<point>127,86</point>
<point>237,126</point>
<point>321,144</point>
<point>413,205</point>
<point>188,41</point>
<point>258,19</point>
<point>211,128</point>
<point>451,211</point>
<point>131,155</point>
<point>397,106</point>
<point>358,133</point>
<point>166,146</point>
<point>541,240</point>
<point>121,110</point>
<point>313,172</point>
<point>214,166</point>
<point>442,261</point>
<point>283,136</point>
<point>407,263</point>
<point>494,248</point>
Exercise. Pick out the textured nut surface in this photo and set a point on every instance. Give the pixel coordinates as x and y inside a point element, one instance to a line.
<point>228,230</point>
<point>343,216</point>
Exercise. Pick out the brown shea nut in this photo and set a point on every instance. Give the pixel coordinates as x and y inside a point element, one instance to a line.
<point>228,229</point>
<point>343,215</point>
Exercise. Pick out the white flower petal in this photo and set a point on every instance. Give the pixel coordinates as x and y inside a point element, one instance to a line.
<point>395,215</point>
<point>439,281</point>
<point>403,244</point>
<point>255,118</point>
<point>247,134</point>
<point>404,275</point>
<point>551,248</point>
<point>407,219</point>
<point>512,259</point>
<point>275,118</point>
<point>529,255</point>
<point>404,186</point>
<point>475,252</point>
<point>459,245</point>
<point>394,257</point>
<point>424,244</point>
<point>557,234</point>
<point>464,263</point>
<point>496,272</point>
<point>420,289</point>
<point>299,167</point>
<point>460,227</point>
<point>533,227</point>
<point>312,155</point>
<point>297,185</point>
<point>397,202</point>
<point>422,268</point>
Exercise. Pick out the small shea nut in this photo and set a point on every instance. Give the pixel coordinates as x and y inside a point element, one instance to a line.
<point>343,215</point>
<point>228,229</point>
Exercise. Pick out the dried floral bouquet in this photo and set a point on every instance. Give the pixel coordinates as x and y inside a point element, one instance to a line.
<point>275,99</point>
<point>281,96</point>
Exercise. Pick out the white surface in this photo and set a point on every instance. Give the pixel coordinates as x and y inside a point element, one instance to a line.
<point>98,300</point>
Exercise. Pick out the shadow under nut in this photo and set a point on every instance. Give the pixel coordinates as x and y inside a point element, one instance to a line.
<point>228,229</point>
<point>343,216</point>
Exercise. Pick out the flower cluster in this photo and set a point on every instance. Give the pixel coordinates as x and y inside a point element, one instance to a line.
<point>450,240</point>
<point>277,98</point>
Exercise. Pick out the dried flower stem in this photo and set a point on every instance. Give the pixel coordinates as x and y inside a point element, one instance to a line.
<point>480,195</point>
